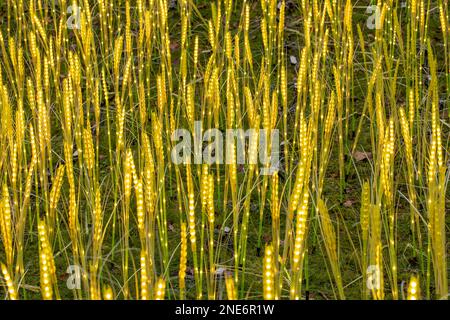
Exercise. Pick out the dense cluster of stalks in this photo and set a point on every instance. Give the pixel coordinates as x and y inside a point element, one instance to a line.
<point>89,103</point>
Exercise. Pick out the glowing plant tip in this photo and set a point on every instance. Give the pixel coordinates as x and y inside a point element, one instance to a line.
<point>413,289</point>
<point>160,288</point>
<point>192,220</point>
<point>6,225</point>
<point>302,214</point>
<point>144,277</point>
<point>108,293</point>
<point>9,283</point>
<point>47,264</point>
<point>183,259</point>
<point>268,273</point>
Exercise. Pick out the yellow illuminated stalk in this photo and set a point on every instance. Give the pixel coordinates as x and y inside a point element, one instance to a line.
<point>144,277</point>
<point>268,274</point>
<point>89,153</point>
<point>160,289</point>
<point>140,207</point>
<point>183,261</point>
<point>191,220</point>
<point>413,289</point>
<point>364,220</point>
<point>97,238</point>
<point>12,293</point>
<point>376,257</point>
<point>129,172</point>
<point>229,284</point>
<point>387,182</point>
<point>6,226</point>
<point>329,236</point>
<point>275,210</point>
<point>436,174</point>
<point>211,218</point>
<point>406,129</point>
<point>98,223</point>
<point>47,264</point>
<point>55,194</point>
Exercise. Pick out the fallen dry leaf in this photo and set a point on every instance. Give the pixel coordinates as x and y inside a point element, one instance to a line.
<point>293,60</point>
<point>359,156</point>
<point>348,203</point>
